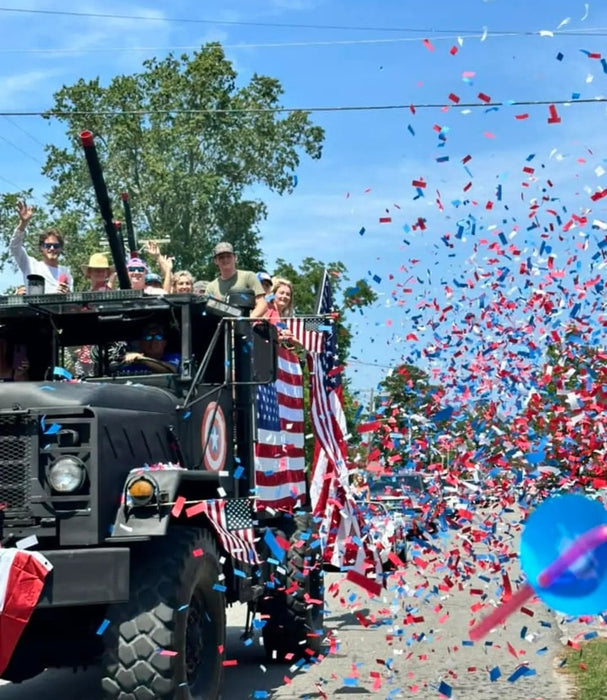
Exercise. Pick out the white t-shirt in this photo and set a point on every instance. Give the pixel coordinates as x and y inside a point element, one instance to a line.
<point>31,266</point>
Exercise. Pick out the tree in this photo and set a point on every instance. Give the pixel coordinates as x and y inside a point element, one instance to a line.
<point>185,141</point>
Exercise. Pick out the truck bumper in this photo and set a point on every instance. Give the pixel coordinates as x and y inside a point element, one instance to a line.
<point>86,577</point>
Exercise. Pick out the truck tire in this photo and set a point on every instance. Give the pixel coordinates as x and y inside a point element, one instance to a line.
<point>294,625</point>
<point>174,607</point>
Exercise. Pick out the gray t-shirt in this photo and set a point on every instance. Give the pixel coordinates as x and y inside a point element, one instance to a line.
<point>241,281</point>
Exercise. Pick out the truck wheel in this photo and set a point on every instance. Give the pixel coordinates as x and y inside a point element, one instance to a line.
<point>295,618</point>
<point>166,641</point>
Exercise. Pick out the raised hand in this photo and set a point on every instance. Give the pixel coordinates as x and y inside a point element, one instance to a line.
<point>25,213</point>
<point>152,249</point>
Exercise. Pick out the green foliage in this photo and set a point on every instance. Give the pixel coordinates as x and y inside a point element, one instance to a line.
<point>588,667</point>
<point>172,136</point>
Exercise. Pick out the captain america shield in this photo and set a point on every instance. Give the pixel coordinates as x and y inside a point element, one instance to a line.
<point>214,442</point>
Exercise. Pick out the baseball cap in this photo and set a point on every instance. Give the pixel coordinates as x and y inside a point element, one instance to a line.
<point>223,247</point>
<point>153,278</point>
<point>136,262</point>
<point>264,277</point>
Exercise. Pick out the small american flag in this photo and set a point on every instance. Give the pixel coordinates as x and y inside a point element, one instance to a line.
<point>232,520</point>
<point>279,450</point>
<point>306,332</point>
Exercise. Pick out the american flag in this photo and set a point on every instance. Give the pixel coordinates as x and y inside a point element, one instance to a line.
<point>232,520</point>
<point>330,492</point>
<point>306,332</point>
<point>279,450</point>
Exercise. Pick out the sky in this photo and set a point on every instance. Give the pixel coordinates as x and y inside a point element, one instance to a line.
<point>437,139</point>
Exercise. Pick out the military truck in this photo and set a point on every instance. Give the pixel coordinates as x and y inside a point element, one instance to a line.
<point>140,489</point>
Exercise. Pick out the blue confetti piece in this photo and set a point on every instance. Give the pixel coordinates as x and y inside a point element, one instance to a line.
<point>559,56</point>
<point>295,180</point>
<point>186,415</point>
<point>219,587</point>
<point>239,572</point>
<point>362,231</point>
<point>61,372</point>
<point>494,674</point>
<point>445,689</point>
<point>377,279</point>
<point>273,545</point>
<point>410,130</point>
<point>52,429</point>
<point>238,472</point>
<point>102,627</point>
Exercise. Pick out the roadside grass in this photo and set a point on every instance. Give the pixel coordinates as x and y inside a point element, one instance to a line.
<point>587,667</point>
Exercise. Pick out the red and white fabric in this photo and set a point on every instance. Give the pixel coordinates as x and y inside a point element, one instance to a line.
<point>22,576</point>
<point>279,451</point>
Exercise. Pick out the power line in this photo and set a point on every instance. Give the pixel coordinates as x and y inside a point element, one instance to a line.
<point>25,131</point>
<point>424,31</point>
<point>276,110</point>
<point>18,148</point>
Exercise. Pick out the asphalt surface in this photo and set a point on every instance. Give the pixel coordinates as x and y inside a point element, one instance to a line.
<point>409,642</point>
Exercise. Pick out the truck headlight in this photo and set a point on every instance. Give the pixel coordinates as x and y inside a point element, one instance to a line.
<point>66,474</point>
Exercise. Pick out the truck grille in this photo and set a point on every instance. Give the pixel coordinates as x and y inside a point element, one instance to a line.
<point>16,437</point>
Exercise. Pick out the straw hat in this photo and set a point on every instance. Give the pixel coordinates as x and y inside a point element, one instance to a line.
<point>97,261</point>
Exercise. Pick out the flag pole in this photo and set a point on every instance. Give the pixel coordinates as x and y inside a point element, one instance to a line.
<point>319,292</point>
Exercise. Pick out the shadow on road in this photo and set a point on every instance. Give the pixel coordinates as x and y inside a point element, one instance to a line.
<point>251,673</point>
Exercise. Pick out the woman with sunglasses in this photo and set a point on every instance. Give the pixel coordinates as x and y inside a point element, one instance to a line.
<point>57,278</point>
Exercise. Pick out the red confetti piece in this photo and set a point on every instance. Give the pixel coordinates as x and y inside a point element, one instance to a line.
<point>453,50</point>
<point>428,44</point>
<point>525,115</point>
<point>385,219</point>
<point>483,97</point>
<point>230,662</point>
<point>554,117</point>
<point>454,98</point>
<point>368,584</point>
<point>178,506</point>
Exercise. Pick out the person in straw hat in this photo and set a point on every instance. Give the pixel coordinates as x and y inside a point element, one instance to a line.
<point>99,273</point>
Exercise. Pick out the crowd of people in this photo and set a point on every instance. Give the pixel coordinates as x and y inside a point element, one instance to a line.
<point>273,297</point>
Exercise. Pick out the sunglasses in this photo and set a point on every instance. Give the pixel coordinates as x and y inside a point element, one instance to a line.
<point>136,269</point>
<point>153,336</point>
<point>51,246</point>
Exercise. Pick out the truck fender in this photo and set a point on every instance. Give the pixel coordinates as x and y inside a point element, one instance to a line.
<point>140,517</point>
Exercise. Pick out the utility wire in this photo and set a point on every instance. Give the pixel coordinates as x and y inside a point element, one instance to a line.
<point>18,148</point>
<point>25,131</point>
<point>267,45</point>
<point>275,110</point>
<point>424,31</point>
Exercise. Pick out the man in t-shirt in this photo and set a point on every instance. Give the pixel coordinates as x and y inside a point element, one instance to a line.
<point>57,278</point>
<point>231,279</point>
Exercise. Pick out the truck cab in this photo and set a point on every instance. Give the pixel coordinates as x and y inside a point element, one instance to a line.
<point>116,473</point>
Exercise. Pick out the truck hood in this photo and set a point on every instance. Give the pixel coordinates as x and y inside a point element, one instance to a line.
<point>136,397</point>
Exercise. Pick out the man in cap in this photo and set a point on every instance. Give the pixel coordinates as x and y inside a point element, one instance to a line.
<point>99,272</point>
<point>231,279</point>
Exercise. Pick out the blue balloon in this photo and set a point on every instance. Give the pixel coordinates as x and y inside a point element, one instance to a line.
<point>550,531</point>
